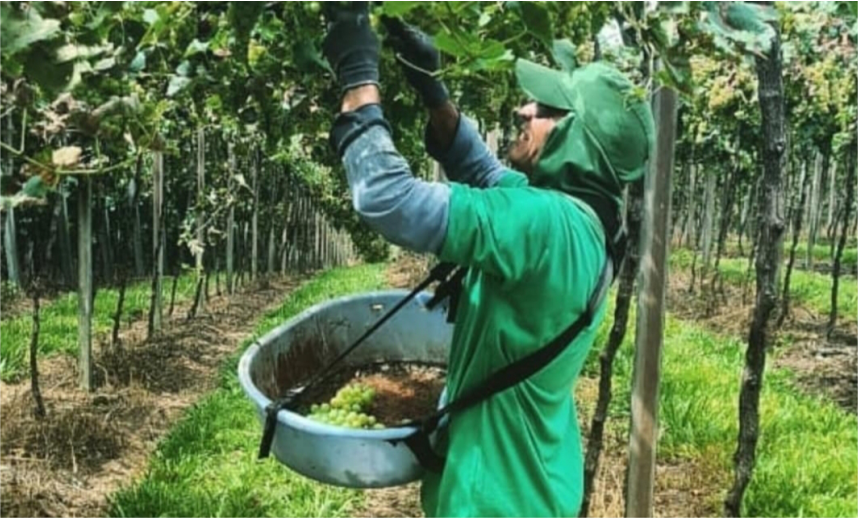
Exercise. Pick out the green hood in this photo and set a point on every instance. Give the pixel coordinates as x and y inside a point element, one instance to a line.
<point>606,140</point>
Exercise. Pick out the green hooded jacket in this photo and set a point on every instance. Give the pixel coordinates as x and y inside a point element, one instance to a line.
<point>535,251</point>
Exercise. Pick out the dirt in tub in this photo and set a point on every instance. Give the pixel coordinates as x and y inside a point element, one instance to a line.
<point>379,395</point>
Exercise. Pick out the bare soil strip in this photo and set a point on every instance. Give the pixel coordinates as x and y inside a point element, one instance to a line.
<point>92,444</point>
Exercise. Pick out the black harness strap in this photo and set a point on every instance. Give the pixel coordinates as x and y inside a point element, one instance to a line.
<point>452,288</point>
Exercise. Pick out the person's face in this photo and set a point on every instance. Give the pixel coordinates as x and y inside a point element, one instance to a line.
<point>535,122</point>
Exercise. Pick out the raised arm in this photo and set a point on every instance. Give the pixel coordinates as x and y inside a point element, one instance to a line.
<point>405,210</point>
<point>451,139</point>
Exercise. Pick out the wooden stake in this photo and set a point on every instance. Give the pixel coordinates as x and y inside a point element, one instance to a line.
<point>650,317</point>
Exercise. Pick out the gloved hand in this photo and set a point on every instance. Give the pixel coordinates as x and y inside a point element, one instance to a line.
<point>350,46</point>
<point>419,59</point>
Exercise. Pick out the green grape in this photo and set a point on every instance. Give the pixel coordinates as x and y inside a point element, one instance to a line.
<point>347,408</point>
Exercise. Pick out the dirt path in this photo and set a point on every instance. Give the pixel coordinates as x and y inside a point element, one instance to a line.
<point>92,444</point>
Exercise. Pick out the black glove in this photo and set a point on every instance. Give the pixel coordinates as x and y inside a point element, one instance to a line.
<point>350,45</point>
<point>419,59</point>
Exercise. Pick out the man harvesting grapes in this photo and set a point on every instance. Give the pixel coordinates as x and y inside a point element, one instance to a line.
<point>534,240</point>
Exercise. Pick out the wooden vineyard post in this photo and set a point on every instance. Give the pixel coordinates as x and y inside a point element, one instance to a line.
<point>201,185</point>
<point>230,226</point>
<point>303,233</point>
<point>254,222</point>
<point>812,212</point>
<point>327,233</point>
<point>830,224</point>
<point>10,239</point>
<point>137,239</point>
<point>650,316</point>
<point>84,299</point>
<point>708,220</point>
<point>158,237</point>
<point>690,236</point>
<point>317,238</point>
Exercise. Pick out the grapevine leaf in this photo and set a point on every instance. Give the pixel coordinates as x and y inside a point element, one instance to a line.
<point>22,29</point>
<point>177,84</point>
<point>445,43</point>
<point>35,187</point>
<point>104,64</point>
<point>71,52</point>
<point>138,63</point>
<point>739,24</point>
<point>105,10</point>
<point>537,21</point>
<point>184,69</point>
<point>564,54</point>
<point>484,19</point>
<point>675,8</point>
<point>307,56</point>
<point>398,8</point>
<point>458,43</point>
<point>150,16</point>
<point>39,67</point>
<point>196,47</point>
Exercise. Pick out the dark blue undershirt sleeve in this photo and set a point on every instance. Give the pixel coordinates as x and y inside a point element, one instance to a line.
<point>468,160</point>
<point>405,210</point>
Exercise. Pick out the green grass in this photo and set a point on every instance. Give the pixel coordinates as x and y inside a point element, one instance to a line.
<point>807,457</point>
<point>207,465</point>
<point>822,253</point>
<point>58,322</point>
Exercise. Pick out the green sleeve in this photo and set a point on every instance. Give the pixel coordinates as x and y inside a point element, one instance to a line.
<point>512,178</point>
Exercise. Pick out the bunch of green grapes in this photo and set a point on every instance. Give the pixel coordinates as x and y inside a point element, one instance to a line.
<point>348,408</point>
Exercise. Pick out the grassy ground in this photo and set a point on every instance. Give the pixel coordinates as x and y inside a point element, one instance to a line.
<point>808,450</point>
<point>811,289</point>
<point>207,464</point>
<point>58,322</point>
<point>822,253</point>
<point>807,455</point>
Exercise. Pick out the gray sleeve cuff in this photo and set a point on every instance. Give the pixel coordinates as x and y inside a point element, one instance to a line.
<point>405,210</point>
<point>468,160</point>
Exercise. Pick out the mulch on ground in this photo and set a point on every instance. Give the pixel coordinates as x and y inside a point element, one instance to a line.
<point>91,444</point>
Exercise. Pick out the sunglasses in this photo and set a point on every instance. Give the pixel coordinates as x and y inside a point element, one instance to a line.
<point>542,112</point>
